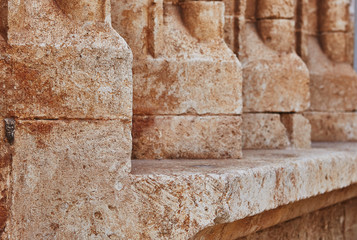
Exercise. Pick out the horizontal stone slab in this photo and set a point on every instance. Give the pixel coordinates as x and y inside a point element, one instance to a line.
<point>185,137</point>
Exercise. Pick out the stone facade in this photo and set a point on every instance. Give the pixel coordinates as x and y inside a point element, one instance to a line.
<point>124,119</point>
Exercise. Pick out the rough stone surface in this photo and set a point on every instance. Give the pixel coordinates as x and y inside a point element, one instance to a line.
<point>275,9</point>
<point>187,137</point>
<point>268,220</point>
<point>182,66</point>
<point>62,170</point>
<point>328,223</point>
<point>74,72</point>
<point>271,30</point>
<point>331,127</point>
<point>264,131</point>
<point>333,85</point>
<point>298,129</point>
<point>333,15</point>
<point>196,87</point>
<point>273,82</point>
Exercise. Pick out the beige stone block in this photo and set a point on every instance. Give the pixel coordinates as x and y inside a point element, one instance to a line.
<point>205,20</point>
<point>276,84</point>
<point>333,15</point>
<point>275,9</point>
<point>333,86</point>
<point>130,20</point>
<point>86,10</point>
<point>53,83</point>
<point>187,137</point>
<point>278,34</point>
<point>298,130</point>
<point>334,45</point>
<point>191,86</point>
<point>264,131</point>
<point>332,126</point>
<point>64,176</point>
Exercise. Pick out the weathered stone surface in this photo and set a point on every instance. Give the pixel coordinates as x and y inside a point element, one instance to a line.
<point>187,137</point>
<point>298,129</point>
<point>197,86</point>
<point>229,31</point>
<point>278,34</point>
<point>334,45</point>
<point>333,86</point>
<point>333,15</point>
<point>264,131</point>
<point>74,72</point>
<point>204,20</point>
<point>259,225</point>
<point>161,199</point>
<point>329,126</point>
<point>327,223</point>
<point>275,9</point>
<point>273,82</point>
<point>66,173</point>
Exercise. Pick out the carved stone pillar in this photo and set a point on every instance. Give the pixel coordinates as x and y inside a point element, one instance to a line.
<point>187,83</point>
<point>67,83</point>
<point>326,45</point>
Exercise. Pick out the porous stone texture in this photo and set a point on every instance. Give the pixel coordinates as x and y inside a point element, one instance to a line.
<point>329,223</point>
<point>275,9</point>
<point>66,175</point>
<point>77,71</point>
<point>268,220</point>
<point>299,130</point>
<point>274,131</point>
<point>333,126</point>
<point>187,137</point>
<point>182,67</point>
<point>264,131</point>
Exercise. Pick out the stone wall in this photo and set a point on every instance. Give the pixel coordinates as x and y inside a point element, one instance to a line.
<point>124,119</point>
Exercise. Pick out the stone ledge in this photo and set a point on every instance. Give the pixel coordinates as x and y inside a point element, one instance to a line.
<point>196,194</point>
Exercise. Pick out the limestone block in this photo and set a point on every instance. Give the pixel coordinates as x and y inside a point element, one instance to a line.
<point>205,20</point>
<point>130,20</point>
<point>86,10</point>
<point>275,9</point>
<point>264,131</point>
<point>192,86</point>
<point>333,15</point>
<point>52,83</point>
<point>278,84</point>
<point>279,34</point>
<point>333,86</point>
<point>65,174</point>
<point>334,45</point>
<point>332,126</point>
<point>298,129</point>
<point>187,137</point>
